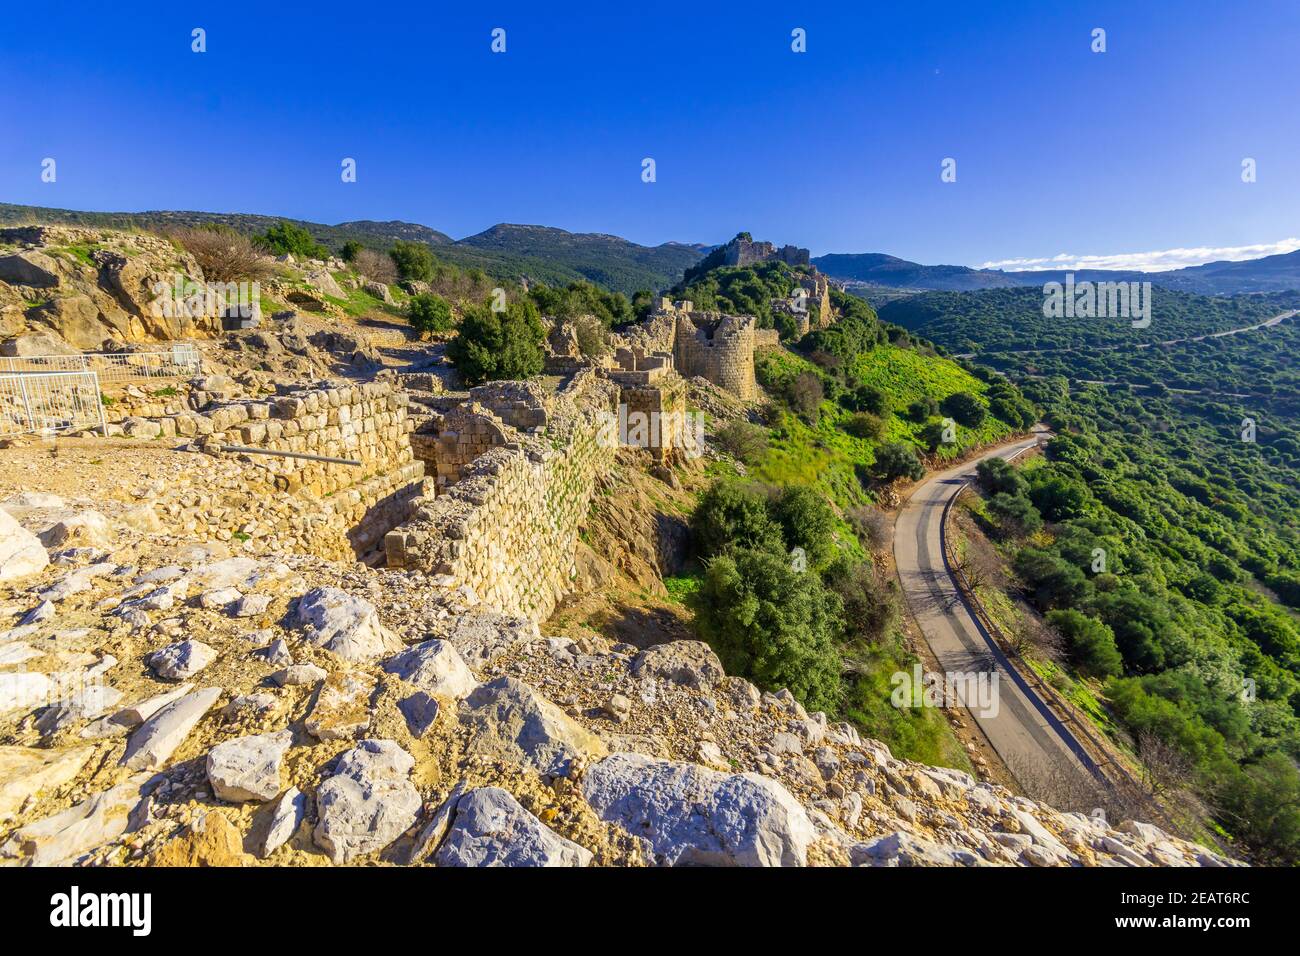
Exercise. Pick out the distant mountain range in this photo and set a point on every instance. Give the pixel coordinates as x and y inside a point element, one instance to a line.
<point>507,251</point>
<point>1269,274</point>
<point>547,254</point>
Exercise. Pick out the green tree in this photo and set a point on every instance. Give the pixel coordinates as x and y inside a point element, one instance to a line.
<point>1015,515</point>
<point>350,249</point>
<point>428,313</point>
<point>285,238</point>
<point>806,522</point>
<point>773,625</point>
<point>896,460</point>
<point>732,515</point>
<point>495,345</point>
<point>965,409</point>
<point>414,260</point>
<point>1092,643</point>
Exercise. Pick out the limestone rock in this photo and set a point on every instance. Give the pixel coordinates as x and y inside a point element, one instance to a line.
<point>296,675</point>
<point>344,625</point>
<point>26,771</point>
<point>690,815</point>
<point>181,660</point>
<point>290,810</point>
<point>435,667</point>
<point>368,802</point>
<point>490,828</point>
<point>64,837</point>
<point>21,552</point>
<point>87,529</point>
<point>692,663</point>
<point>248,768</point>
<point>23,691</point>
<point>342,708</point>
<point>153,744</point>
<point>510,719</point>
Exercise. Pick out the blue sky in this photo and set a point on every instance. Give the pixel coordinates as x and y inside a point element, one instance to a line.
<point>1059,150</point>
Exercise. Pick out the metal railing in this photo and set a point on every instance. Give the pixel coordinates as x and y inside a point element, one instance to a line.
<point>176,361</point>
<point>49,402</point>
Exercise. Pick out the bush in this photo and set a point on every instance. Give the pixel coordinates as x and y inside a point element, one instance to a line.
<point>496,345</point>
<point>965,409</point>
<point>773,625</point>
<point>729,515</point>
<point>1057,497</point>
<point>223,254</point>
<point>375,266</point>
<point>413,260</point>
<point>593,338</point>
<point>865,425</point>
<point>872,526</point>
<point>285,238</point>
<point>1091,643</point>
<point>805,394</point>
<point>1015,515</point>
<point>999,475</point>
<point>806,522</point>
<point>350,249</point>
<point>871,605</point>
<point>743,441</point>
<point>923,409</point>
<point>429,313</point>
<point>896,460</point>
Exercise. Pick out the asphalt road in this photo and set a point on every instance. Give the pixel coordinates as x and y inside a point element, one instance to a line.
<point>1026,735</point>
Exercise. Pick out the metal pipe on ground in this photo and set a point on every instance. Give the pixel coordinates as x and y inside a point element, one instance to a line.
<point>290,454</point>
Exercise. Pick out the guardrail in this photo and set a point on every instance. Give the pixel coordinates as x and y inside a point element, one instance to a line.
<point>49,402</point>
<point>181,360</point>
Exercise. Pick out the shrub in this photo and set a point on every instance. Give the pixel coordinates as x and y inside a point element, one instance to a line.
<point>806,522</point>
<point>871,605</point>
<point>805,393</point>
<point>223,254</point>
<point>494,345</point>
<point>729,515</point>
<point>865,425</point>
<point>743,441</point>
<point>1015,515</point>
<point>999,475</point>
<point>773,625</point>
<point>868,398</point>
<point>285,238</point>
<point>964,408</point>
<point>429,313</point>
<point>872,526</point>
<point>350,249</point>
<point>1092,643</point>
<point>413,260</point>
<point>896,460</point>
<point>593,338</point>
<point>375,265</point>
<point>923,409</point>
<point>1057,497</point>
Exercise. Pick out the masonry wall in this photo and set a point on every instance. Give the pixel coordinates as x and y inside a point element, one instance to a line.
<point>720,349</point>
<point>334,510</point>
<point>509,527</point>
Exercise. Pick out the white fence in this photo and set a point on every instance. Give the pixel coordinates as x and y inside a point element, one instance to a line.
<point>177,361</point>
<point>49,401</point>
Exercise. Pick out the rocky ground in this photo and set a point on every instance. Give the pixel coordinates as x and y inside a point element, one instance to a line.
<point>167,701</point>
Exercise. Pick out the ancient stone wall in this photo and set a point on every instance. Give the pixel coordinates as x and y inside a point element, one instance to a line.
<point>508,527</point>
<point>330,508</point>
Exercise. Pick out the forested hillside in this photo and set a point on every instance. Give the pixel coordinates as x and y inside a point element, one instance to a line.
<point>1160,536</point>
<point>1012,320</point>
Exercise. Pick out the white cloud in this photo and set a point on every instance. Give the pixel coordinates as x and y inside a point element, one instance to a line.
<point>1159,261</point>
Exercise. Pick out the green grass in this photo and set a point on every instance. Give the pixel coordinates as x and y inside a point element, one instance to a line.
<point>80,252</point>
<point>682,588</point>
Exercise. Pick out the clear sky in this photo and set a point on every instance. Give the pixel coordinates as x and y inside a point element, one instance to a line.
<point>1059,150</point>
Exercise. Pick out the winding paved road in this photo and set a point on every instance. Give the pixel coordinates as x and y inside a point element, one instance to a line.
<point>1024,732</point>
